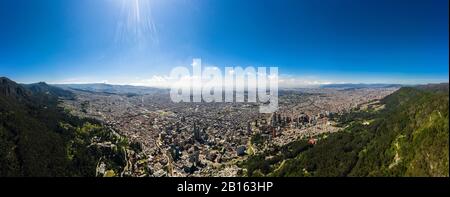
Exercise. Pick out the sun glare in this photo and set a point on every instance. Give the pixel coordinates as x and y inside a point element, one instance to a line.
<point>136,26</point>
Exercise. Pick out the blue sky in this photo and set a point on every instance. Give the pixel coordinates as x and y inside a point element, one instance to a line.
<point>128,41</point>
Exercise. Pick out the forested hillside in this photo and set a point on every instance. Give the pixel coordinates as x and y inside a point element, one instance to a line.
<point>37,138</point>
<point>409,137</point>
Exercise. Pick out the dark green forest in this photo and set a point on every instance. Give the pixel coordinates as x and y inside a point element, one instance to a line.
<point>409,137</point>
<point>38,138</point>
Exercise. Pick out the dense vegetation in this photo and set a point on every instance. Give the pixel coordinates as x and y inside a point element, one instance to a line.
<point>37,138</point>
<point>409,137</point>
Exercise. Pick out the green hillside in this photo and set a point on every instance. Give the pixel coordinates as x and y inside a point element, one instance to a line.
<point>409,137</point>
<point>37,138</point>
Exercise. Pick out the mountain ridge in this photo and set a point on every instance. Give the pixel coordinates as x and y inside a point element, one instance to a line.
<point>39,139</point>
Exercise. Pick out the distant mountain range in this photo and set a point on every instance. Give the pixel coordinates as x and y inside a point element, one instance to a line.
<point>129,89</point>
<point>112,89</point>
<point>360,85</point>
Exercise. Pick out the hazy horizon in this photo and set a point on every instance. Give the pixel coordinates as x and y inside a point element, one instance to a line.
<point>282,86</point>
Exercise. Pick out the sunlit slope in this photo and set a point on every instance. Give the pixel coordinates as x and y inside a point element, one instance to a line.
<point>39,139</point>
<point>409,137</point>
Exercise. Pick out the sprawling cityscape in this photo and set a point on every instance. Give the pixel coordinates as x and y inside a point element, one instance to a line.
<point>224,96</point>
<point>209,139</point>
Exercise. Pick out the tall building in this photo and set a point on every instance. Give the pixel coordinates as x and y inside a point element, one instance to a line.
<point>273,120</point>
<point>196,131</point>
